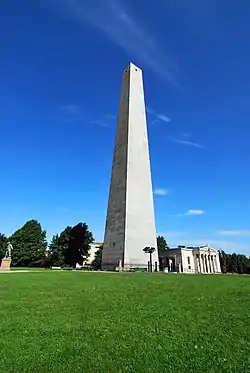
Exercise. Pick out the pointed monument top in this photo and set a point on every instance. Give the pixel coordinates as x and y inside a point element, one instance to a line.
<point>132,66</point>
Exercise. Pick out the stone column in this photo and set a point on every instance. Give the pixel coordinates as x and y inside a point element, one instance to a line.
<point>207,263</point>
<point>213,266</point>
<point>198,264</point>
<point>210,263</point>
<point>218,263</point>
<point>201,264</point>
<point>170,265</point>
<point>204,263</point>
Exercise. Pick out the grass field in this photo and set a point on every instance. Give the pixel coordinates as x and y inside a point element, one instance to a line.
<point>107,322</point>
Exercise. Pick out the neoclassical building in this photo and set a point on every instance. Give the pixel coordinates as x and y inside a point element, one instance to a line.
<point>183,259</point>
<point>201,259</point>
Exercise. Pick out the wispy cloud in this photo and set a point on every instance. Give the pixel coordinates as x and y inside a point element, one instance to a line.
<point>163,118</point>
<point>228,246</point>
<point>158,117</point>
<point>191,212</point>
<point>234,232</point>
<point>189,143</point>
<point>195,212</point>
<point>185,240</point>
<point>191,238</point>
<point>113,18</point>
<point>72,113</point>
<point>186,134</point>
<point>161,191</point>
<point>175,238</point>
<point>106,121</point>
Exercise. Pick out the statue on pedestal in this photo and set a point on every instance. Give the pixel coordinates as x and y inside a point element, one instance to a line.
<point>8,251</point>
<point>6,261</point>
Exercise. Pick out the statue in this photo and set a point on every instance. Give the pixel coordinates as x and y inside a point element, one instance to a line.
<point>9,250</point>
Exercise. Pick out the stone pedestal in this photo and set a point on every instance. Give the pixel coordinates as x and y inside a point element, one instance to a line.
<point>5,265</point>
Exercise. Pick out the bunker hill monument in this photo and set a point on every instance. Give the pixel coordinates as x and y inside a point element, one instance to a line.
<point>130,222</point>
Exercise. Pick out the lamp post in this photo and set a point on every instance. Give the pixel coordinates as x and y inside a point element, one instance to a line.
<point>150,251</point>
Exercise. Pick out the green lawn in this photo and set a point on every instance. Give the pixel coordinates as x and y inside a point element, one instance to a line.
<point>107,322</point>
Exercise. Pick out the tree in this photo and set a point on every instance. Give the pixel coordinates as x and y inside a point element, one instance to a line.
<point>234,263</point>
<point>97,262</point>
<point>79,245</point>
<point>59,246</point>
<point>162,246</point>
<point>161,243</point>
<point>71,246</point>
<point>3,245</point>
<point>223,261</point>
<point>150,251</point>
<point>29,244</point>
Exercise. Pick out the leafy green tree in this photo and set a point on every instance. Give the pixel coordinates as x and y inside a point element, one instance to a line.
<point>3,245</point>
<point>161,244</point>
<point>71,246</point>
<point>97,262</point>
<point>59,246</point>
<point>79,245</point>
<point>234,263</point>
<point>223,261</point>
<point>29,244</point>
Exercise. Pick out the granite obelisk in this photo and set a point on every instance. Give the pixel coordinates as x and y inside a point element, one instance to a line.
<point>130,222</point>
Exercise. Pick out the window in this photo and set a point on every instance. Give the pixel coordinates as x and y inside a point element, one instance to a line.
<point>189,267</point>
<point>188,259</point>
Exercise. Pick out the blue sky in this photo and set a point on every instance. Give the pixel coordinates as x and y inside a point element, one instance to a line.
<point>61,66</point>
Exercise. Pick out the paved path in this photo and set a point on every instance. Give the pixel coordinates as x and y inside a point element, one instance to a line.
<point>25,270</point>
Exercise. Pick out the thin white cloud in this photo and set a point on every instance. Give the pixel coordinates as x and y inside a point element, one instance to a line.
<point>195,212</point>
<point>234,232</point>
<point>109,116</point>
<point>228,246</point>
<point>100,123</point>
<point>161,191</point>
<point>116,21</point>
<point>72,109</point>
<point>191,212</point>
<point>72,112</point>
<point>163,118</point>
<point>106,121</point>
<point>158,117</point>
<point>189,143</point>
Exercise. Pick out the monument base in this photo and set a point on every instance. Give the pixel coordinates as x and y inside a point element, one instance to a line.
<point>5,265</point>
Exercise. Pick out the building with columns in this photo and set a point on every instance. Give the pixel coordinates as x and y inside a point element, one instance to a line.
<point>201,259</point>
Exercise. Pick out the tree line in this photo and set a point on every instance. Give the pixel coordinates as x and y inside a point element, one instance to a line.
<point>68,248</point>
<point>234,263</point>
<point>72,246</point>
<point>31,249</point>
